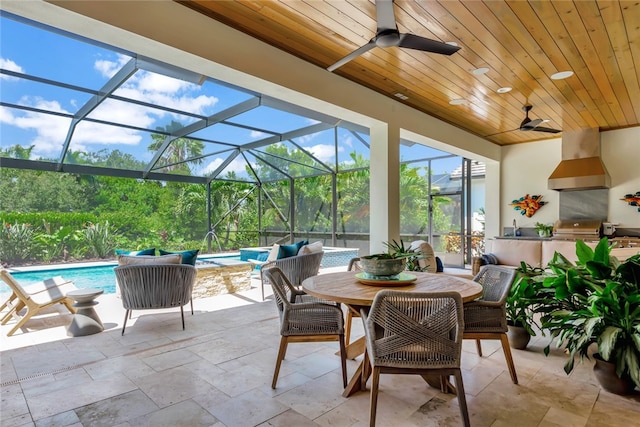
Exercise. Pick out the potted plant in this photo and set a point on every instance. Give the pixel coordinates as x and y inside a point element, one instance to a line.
<point>390,263</point>
<point>543,230</point>
<point>596,302</point>
<point>520,305</point>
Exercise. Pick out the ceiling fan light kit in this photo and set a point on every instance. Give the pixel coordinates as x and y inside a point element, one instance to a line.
<point>387,35</point>
<point>561,75</point>
<point>480,71</point>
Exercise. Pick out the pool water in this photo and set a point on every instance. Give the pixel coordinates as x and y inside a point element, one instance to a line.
<point>99,277</point>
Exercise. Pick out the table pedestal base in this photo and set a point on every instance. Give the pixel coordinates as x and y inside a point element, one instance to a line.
<point>86,320</point>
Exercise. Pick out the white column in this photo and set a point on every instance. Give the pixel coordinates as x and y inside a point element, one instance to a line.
<point>384,193</point>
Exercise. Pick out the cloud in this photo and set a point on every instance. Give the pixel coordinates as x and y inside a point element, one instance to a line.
<point>50,131</point>
<point>237,165</point>
<point>255,134</point>
<point>324,152</point>
<point>11,66</point>
<point>110,68</point>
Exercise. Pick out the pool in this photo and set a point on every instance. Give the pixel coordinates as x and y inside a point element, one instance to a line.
<point>100,277</point>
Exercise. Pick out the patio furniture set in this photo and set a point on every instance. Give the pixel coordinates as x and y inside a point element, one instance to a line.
<point>409,328</point>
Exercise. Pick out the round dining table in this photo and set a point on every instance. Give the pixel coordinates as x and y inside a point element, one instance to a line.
<point>357,292</point>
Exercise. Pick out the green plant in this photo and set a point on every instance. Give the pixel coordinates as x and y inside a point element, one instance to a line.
<point>597,300</point>
<point>16,242</point>
<point>524,297</point>
<point>100,239</point>
<point>543,228</point>
<point>397,250</point>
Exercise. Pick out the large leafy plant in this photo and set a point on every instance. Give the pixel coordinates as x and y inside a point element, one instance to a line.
<point>595,301</point>
<point>524,297</point>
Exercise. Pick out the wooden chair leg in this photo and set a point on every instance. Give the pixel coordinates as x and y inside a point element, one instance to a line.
<point>375,384</point>
<point>462,399</point>
<point>479,347</point>
<point>21,321</point>
<point>504,339</point>
<point>281,353</point>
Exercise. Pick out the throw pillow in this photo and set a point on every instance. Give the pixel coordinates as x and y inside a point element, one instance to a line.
<point>489,259</point>
<point>439,265</point>
<point>273,254</point>
<point>188,257</point>
<point>151,251</point>
<point>311,248</point>
<point>148,259</point>
<point>287,251</point>
<point>262,256</point>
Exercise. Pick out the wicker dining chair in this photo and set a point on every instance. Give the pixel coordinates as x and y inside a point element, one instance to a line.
<point>144,287</point>
<point>313,321</point>
<point>415,333</point>
<point>296,268</point>
<point>486,318</point>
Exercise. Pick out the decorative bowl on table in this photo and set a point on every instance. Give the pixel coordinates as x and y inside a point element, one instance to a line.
<point>382,267</point>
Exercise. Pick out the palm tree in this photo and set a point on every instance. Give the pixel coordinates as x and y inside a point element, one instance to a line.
<point>178,151</point>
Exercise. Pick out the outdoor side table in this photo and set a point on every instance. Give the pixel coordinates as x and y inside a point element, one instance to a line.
<point>85,320</point>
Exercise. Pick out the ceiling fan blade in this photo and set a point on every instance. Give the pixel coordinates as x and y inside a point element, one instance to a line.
<point>528,124</point>
<point>544,129</point>
<point>385,17</point>
<point>412,41</point>
<point>367,47</point>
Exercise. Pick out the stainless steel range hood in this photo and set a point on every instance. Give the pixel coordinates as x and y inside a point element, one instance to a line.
<point>581,167</point>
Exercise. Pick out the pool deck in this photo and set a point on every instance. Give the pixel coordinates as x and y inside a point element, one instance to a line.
<point>217,372</point>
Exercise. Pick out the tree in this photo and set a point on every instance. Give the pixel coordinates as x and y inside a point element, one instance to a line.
<point>178,151</point>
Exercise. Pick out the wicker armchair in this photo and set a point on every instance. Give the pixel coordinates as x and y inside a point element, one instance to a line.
<point>415,333</point>
<point>304,321</point>
<point>296,268</point>
<point>144,287</point>
<point>486,318</point>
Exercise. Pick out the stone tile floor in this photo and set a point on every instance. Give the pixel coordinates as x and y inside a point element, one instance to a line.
<point>218,373</point>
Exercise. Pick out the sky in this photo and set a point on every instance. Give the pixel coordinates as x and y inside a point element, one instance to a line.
<point>79,65</point>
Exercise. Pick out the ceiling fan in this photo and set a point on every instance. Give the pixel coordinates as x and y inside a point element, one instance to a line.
<point>529,124</point>
<point>387,35</point>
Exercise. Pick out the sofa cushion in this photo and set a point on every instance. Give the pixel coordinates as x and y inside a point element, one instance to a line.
<point>188,257</point>
<point>566,247</point>
<point>512,251</point>
<point>149,259</point>
<point>150,251</point>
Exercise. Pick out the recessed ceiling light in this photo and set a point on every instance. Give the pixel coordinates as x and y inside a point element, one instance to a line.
<point>458,101</point>
<point>479,71</point>
<point>561,75</point>
<point>503,89</point>
<point>401,96</point>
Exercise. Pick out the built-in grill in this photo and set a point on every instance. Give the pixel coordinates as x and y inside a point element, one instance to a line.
<point>583,229</point>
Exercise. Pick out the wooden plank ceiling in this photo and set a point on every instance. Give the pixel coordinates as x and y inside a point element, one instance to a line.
<point>522,43</point>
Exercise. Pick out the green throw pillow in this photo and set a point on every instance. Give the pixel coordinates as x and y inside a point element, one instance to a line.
<point>188,257</point>
<point>151,251</point>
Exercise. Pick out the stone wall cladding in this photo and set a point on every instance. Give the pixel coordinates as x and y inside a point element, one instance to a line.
<point>217,280</point>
